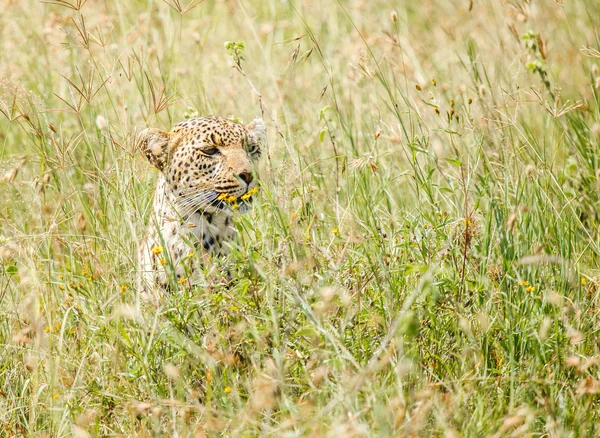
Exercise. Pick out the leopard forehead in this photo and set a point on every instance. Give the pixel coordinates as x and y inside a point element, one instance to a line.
<point>215,130</point>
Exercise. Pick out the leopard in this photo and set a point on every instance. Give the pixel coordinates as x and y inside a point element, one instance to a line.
<point>207,169</point>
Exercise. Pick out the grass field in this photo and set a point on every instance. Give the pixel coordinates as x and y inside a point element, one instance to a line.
<point>423,258</point>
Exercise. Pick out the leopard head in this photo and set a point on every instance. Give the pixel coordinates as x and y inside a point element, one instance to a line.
<point>207,162</point>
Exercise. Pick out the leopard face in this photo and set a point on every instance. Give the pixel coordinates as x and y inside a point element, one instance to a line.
<point>207,162</point>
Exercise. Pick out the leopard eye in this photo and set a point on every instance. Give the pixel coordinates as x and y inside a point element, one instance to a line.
<point>211,151</point>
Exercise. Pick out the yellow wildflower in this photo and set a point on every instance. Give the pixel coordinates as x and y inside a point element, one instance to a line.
<point>235,206</point>
<point>208,376</point>
<point>583,281</point>
<point>123,288</point>
<point>335,231</point>
<point>253,191</point>
<point>190,254</point>
<point>182,280</point>
<point>523,283</point>
<point>222,196</point>
<point>162,261</point>
<point>530,288</point>
<point>227,389</point>
<point>55,395</point>
<point>47,329</point>
<point>246,196</point>
<point>231,198</point>
<point>157,250</point>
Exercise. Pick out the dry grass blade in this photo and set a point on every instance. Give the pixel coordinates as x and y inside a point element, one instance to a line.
<point>293,39</point>
<point>74,105</point>
<point>293,57</point>
<point>160,100</point>
<point>304,57</point>
<point>11,174</point>
<point>128,69</point>
<point>84,35</point>
<point>65,4</point>
<point>555,110</point>
<point>322,93</point>
<point>85,90</point>
<point>177,6</point>
<point>11,113</point>
<point>588,51</point>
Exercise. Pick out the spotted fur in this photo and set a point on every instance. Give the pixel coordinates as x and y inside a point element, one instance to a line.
<point>199,160</point>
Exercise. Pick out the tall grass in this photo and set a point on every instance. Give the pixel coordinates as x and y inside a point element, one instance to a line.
<point>423,258</point>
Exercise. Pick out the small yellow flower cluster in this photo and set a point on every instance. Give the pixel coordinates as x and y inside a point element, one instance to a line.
<point>528,287</point>
<point>231,198</point>
<point>157,250</point>
<point>182,280</point>
<point>226,197</point>
<point>249,194</point>
<point>56,328</point>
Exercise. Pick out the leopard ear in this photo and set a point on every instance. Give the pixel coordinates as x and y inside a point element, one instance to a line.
<point>154,143</point>
<point>257,136</point>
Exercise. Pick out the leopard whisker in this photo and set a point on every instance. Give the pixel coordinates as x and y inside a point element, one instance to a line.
<point>196,202</point>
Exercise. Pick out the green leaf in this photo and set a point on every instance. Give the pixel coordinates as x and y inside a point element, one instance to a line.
<point>454,162</point>
<point>322,112</point>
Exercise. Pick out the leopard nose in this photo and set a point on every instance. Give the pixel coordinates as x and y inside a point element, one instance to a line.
<point>247,177</point>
